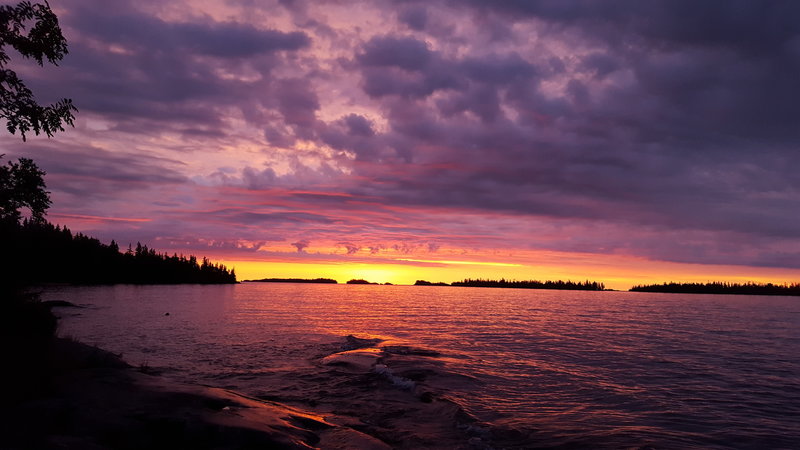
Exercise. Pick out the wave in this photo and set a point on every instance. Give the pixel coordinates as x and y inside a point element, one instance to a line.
<point>401,394</point>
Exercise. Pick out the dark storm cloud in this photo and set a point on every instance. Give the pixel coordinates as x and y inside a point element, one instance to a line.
<point>391,51</point>
<point>498,70</point>
<point>727,65</point>
<point>358,125</point>
<point>355,133</point>
<point>386,81</point>
<point>415,17</point>
<point>738,22</point>
<point>146,32</point>
<point>404,66</point>
<point>298,103</point>
<point>149,74</point>
<point>92,172</point>
<point>600,64</point>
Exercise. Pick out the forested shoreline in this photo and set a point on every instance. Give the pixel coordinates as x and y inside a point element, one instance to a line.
<point>41,252</point>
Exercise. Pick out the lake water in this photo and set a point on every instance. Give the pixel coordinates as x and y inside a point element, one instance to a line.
<point>520,368</point>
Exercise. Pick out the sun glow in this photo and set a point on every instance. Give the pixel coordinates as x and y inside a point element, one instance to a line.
<point>377,273</point>
<point>615,273</point>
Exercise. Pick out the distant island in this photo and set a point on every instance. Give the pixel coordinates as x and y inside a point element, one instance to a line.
<point>360,281</point>
<point>522,284</point>
<point>428,283</point>
<point>294,280</point>
<point>719,287</point>
<point>47,253</point>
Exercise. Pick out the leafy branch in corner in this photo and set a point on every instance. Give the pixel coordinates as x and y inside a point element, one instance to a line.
<point>41,41</point>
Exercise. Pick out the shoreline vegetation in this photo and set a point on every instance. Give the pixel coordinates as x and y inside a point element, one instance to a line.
<point>47,253</point>
<point>719,287</point>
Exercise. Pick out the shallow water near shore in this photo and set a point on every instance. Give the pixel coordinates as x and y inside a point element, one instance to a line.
<point>474,367</point>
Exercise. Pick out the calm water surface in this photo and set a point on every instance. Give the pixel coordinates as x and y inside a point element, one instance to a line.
<point>539,368</point>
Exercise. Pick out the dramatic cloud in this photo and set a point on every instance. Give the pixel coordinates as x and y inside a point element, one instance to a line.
<point>664,129</point>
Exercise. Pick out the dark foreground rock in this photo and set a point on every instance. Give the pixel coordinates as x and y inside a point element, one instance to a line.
<point>60,304</point>
<point>91,399</point>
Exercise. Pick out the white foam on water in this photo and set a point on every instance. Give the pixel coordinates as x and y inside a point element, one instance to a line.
<point>402,383</point>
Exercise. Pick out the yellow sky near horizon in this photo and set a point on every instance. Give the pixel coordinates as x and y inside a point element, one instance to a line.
<point>616,273</point>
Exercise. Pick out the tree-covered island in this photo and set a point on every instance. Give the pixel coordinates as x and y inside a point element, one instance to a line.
<point>521,284</point>
<point>294,280</point>
<point>721,287</point>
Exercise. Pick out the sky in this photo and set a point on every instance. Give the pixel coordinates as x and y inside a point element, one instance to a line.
<point>628,141</point>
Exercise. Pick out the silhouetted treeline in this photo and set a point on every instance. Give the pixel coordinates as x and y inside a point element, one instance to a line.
<point>360,281</point>
<point>428,283</point>
<point>295,280</point>
<point>721,287</point>
<point>533,284</point>
<point>40,252</point>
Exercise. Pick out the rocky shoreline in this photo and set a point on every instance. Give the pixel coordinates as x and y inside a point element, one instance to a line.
<point>91,399</point>
<point>64,394</point>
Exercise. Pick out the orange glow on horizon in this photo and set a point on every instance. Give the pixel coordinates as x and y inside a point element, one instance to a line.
<point>616,272</point>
